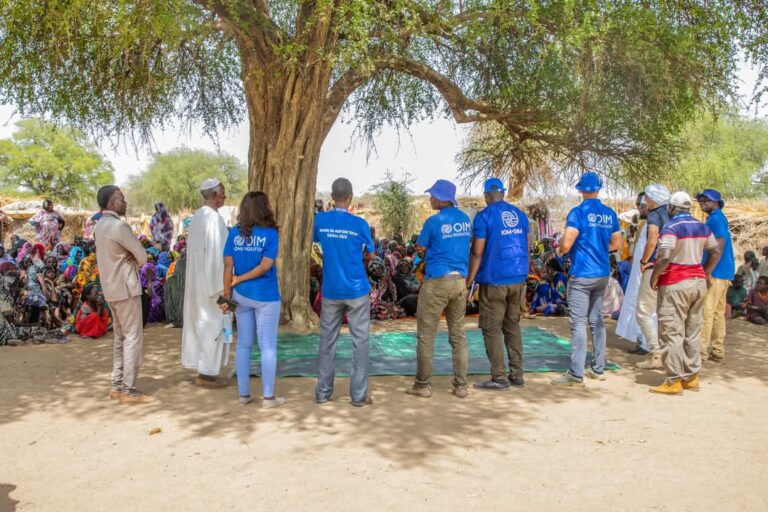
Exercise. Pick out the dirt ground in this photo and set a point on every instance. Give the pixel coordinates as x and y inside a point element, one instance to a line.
<point>611,446</point>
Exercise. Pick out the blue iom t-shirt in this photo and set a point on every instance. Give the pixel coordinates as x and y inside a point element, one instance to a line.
<point>596,223</point>
<point>446,236</point>
<point>726,267</point>
<point>343,237</point>
<point>247,253</point>
<point>504,227</point>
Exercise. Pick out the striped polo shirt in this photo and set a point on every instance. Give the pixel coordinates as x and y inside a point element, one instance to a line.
<point>687,238</point>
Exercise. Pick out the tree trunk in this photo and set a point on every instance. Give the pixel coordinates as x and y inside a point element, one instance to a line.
<point>285,115</point>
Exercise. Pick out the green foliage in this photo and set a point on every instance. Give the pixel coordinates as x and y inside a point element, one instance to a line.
<point>56,162</point>
<point>114,66</point>
<point>729,154</point>
<point>602,82</point>
<point>393,200</point>
<point>174,178</point>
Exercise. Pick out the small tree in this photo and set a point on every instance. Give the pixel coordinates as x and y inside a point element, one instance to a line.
<point>729,154</point>
<point>56,162</point>
<point>393,200</point>
<point>174,178</point>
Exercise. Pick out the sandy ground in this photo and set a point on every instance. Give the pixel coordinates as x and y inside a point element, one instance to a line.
<point>611,446</point>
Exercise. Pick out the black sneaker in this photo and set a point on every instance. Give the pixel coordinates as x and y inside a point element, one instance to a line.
<point>638,351</point>
<point>516,381</point>
<point>492,385</point>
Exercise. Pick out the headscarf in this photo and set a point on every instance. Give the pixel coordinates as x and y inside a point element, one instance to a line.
<point>61,252</point>
<point>164,259</point>
<point>39,251</point>
<point>163,263</point>
<point>26,248</point>
<point>145,283</point>
<point>87,271</point>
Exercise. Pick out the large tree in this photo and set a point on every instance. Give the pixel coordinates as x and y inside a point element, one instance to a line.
<point>56,162</point>
<point>174,178</point>
<point>586,78</point>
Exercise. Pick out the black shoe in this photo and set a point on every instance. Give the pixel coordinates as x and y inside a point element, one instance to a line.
<point>638,351</point>
<point>516,381</point>
<point>492,385</point>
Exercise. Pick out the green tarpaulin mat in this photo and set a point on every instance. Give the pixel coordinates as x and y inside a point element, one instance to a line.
<point>394,353</point>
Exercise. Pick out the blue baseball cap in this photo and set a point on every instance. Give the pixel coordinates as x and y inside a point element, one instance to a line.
<point>443,190</point>
<point>494,185</point>
<point>589,182</point>
<point>712,195</point>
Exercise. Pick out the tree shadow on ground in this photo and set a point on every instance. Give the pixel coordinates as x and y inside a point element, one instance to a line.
<point>7,504</point>
<point>73,381</point>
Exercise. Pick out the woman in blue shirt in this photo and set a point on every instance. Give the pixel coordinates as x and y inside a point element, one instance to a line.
<point>250,279</point>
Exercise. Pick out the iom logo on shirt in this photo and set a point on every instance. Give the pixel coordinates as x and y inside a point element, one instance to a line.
<point>251,243</point>
<point>600,220</point>
<point>510,220</point>
<point>457,229</point>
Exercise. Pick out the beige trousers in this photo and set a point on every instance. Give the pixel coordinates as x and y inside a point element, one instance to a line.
<point>681,308</point>
<point>713,332</point>
<point>127,325</point>
<point>647,300</point>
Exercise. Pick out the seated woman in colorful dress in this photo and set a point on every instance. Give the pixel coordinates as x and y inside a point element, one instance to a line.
<point>92,320</point>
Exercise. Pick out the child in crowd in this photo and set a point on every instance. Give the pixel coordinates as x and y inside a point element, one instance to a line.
<point>735,298</point>
<point>757,302</point>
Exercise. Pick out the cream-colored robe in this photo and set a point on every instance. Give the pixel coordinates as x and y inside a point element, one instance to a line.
<point>201,348</point>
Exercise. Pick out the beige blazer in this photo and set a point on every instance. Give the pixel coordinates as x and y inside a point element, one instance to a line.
<point>119,254</point>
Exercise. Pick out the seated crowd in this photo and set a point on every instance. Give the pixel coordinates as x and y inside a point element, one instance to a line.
<point>50,288</point>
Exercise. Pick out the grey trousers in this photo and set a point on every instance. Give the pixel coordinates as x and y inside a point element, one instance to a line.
<point>585,300</point>
<point>128,328</point>
<point>359,317</point>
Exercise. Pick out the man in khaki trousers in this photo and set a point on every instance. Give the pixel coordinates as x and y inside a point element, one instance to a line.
<point>119,255</point>
<point>681,281</point>
<point>713,332</point>
<point>445,237</point>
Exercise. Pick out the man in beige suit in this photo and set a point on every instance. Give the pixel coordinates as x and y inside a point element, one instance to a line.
<point>119,255</point>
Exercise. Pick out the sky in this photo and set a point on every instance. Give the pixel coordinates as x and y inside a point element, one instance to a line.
<point>427,152</point>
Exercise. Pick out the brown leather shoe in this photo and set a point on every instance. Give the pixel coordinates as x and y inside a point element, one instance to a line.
<point>140,398</point>
<point>211,384</point>
<point>114,394</point>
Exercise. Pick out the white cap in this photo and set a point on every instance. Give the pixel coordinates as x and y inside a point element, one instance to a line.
<point>209,184</point>
<point>681,200</point>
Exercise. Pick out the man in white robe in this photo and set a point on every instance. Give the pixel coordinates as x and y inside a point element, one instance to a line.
<point>627,326</point>
<point>201,346</point>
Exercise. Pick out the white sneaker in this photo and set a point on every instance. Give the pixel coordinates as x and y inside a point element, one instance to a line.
<point>244,400</point>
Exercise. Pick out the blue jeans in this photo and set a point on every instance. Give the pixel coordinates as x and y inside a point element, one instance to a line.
<point>256,320</point>
<point>585,300</point>
<point>359,317</point>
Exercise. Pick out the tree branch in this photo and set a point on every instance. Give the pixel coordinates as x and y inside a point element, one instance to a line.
<point>259,35</point>
<point>464,109</point>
